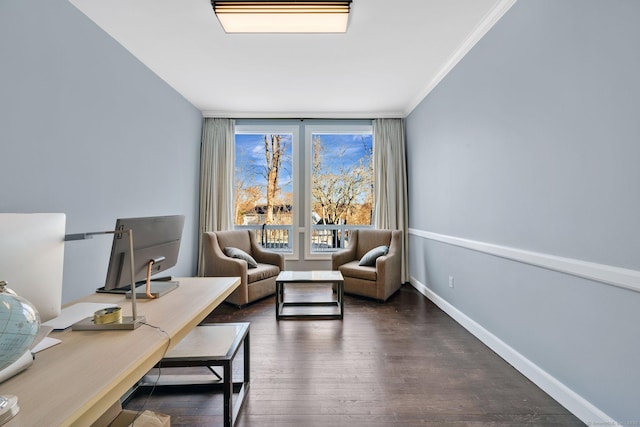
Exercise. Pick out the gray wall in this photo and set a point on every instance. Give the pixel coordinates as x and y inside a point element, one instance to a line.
<point>87,130</point>
<point>531,142</point>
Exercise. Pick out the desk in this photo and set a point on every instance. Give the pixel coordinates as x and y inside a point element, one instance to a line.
<point>76,381</point>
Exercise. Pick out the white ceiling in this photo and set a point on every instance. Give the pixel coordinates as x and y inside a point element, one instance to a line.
<point>393,54</point>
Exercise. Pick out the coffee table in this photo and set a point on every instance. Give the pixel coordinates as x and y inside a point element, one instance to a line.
<point>331,309</point>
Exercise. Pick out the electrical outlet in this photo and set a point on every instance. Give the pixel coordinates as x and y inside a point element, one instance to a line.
<point>451,281</point>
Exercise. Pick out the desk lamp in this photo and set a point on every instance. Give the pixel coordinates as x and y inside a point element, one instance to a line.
<point>126,322</point>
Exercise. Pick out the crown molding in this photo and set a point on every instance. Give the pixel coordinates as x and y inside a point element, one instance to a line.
<point>298,114</point>
<point>483,27</point>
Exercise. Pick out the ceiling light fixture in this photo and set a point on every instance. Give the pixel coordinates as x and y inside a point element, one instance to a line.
<point>319,16</point>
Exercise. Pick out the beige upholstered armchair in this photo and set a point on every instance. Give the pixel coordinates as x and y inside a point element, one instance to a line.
<point>255,282</point>
<point>381,278</point>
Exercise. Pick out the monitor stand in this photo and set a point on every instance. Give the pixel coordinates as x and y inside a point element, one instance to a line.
<point>157,289</point>
<point>127,289</point>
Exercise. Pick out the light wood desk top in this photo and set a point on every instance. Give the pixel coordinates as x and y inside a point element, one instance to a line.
<point>76,381</point>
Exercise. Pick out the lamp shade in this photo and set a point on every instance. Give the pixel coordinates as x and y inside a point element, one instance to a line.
<point>318,16</point>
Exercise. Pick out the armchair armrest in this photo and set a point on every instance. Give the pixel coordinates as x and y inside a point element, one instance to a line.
<point>389,266</point>
<point>346,255</point>
<point>269,257</point>
<point>229,267</point>
<point>342,257</point>
<point>218,264</point>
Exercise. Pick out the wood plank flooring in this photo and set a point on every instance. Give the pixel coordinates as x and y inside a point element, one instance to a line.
<point>402,363</point>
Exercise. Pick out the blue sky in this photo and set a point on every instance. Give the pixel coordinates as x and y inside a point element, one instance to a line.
<point>250,151</point>
<point>352,144</point>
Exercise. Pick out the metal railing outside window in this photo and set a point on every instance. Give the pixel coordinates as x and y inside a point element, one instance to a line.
<point>325,238</point>
<point>330,238</point>
<point>274,237</point>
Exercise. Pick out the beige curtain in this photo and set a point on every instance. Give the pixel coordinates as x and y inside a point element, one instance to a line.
<point>390,187</point>
<point>217,160</point>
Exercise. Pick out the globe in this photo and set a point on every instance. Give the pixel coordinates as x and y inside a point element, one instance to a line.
<point>19,323</point>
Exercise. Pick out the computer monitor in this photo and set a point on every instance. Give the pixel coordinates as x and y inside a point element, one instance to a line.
<point>156,243</point>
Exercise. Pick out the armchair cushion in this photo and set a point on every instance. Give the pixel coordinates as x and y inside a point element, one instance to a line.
<point>232,252</point>
<point>352,269</point>
<point>369,259</point>
<point>263,271</point>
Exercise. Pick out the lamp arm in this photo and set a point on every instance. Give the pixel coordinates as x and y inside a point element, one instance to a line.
<point>84,236</point>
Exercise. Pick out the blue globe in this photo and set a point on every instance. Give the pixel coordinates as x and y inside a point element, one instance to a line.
<point>19,322</point>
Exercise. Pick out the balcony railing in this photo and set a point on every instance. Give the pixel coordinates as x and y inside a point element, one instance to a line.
<point>324,238</point>
<point>330,238</point>
<point>274,237</point>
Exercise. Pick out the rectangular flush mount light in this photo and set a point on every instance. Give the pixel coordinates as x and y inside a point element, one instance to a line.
<point>320,16</point>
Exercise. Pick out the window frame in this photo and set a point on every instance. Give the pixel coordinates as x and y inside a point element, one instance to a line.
<point>326,129</point>
<point>295,156</point>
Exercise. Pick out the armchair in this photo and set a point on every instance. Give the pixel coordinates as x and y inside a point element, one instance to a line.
<point>255,283</point>
<point>378,281</point>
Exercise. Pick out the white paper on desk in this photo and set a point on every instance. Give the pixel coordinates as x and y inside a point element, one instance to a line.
<point>74,313</point>
<point>42,341</point>
<point>45,343</point>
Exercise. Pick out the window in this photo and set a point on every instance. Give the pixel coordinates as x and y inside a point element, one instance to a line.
<point>324,183</point>
<point>263,193</point>
<point>339,184</point>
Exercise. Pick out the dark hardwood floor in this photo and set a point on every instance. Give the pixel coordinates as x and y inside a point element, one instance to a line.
<point>402,363</point>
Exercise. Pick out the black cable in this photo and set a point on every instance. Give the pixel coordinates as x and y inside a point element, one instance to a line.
<point>153,387</point>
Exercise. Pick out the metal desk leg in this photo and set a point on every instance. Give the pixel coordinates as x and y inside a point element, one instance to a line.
<point>228,395</point>
<point>278,299</point>
<point>341,298</point>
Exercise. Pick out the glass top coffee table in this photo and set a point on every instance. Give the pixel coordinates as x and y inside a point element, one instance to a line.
<point>309,309</point>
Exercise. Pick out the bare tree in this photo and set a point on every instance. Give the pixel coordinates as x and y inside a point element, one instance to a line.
<point>340,192</point>
<point>274,149</point>
<point>246,192</point>
<point>246,199</point>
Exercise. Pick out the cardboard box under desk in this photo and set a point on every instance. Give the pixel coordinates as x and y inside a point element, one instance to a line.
<point>117,417</point>
<point>146,419</point>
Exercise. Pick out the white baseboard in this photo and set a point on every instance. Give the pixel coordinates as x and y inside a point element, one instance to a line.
<point>575,403</point>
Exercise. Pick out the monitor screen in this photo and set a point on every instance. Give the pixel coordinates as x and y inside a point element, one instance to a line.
<point>154,239</point>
